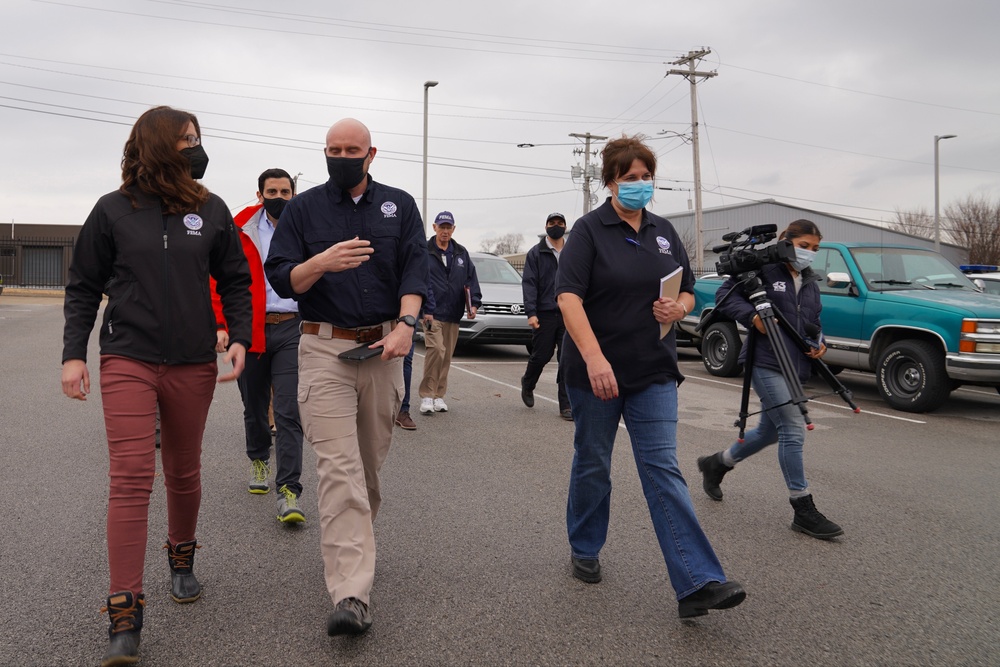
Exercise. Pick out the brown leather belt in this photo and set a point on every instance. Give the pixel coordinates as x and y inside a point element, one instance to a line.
<point>324,330</point>
<point>278,318</point>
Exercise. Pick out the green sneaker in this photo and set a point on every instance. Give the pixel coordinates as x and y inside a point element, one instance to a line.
<point>258,476</point>
<point>288,507</point>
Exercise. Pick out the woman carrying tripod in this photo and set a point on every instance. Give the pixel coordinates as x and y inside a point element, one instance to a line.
<point>793,291</point>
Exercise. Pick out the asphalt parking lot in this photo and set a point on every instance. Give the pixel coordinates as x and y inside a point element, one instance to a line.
<point>473,560</point>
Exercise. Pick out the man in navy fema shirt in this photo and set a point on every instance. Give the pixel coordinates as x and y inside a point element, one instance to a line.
<point>352,253</point>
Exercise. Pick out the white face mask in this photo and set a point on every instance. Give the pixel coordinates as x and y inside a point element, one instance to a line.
<point>803,258</point>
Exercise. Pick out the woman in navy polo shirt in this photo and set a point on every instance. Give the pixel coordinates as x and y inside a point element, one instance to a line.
<point>618,367</point>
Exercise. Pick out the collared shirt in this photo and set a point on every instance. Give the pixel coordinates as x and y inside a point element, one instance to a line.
<point>555,251</point>
<point>275,304</point>
<point>617,271</point>
<point>370,294</point>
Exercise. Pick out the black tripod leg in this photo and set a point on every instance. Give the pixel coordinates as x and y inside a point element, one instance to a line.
<point>788,370</point>
<point>741,423</point>
<point>821,368</point>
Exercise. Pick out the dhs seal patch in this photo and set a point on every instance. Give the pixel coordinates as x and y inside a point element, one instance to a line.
<point>664,245</point>
<point>193,221</point>
<point>389,209</point>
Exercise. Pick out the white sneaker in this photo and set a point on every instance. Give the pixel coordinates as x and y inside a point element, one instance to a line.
<point>426,406</point>
<point>439,405</point>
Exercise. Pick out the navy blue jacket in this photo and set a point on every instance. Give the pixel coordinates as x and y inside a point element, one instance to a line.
<point>796,309</point>
<point>449,283</point>
<point>370,294</point>
<point>538,282</point>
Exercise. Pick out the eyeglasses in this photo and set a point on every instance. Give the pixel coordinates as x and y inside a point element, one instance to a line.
<point>192,140</point>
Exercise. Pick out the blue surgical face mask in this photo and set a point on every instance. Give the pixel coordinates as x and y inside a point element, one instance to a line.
<point>803,258</point>
<point>634,195</point>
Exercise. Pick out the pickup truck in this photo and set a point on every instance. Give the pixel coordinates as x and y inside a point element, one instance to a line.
<point>906,314</point>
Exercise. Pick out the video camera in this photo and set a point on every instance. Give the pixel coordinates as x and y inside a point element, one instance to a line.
<point>739,255</point>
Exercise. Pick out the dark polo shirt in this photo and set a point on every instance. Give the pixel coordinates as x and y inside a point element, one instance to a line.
<point>368,295</point>
<point>617,274</point>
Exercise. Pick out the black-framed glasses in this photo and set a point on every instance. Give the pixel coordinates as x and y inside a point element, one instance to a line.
<point>192,140</point>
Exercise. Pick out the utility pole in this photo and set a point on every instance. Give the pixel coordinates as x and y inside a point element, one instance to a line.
<point>692,75</point>
<point>587,175</point>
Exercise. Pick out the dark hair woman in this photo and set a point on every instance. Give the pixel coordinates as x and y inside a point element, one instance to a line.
<point>793,291</point>
<point>618,367</point>
<point>151,246</point>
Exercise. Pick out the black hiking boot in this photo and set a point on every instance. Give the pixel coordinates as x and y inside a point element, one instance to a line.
<point>811,521</point>
<point>712,471</point>
<point>125,611</point>
<point>183,585</point>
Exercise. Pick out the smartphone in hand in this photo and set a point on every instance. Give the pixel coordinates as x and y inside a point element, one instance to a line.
<point>361,353</point>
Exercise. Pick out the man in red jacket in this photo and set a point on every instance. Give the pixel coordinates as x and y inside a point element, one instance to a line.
<point>272,360</point>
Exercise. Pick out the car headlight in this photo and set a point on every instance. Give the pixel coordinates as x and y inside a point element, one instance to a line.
<point>980,336</point>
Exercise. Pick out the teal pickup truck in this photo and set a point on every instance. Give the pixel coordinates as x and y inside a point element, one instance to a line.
<point>906,314</point>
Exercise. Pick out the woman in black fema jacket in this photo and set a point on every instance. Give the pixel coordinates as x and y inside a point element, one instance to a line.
<point>151,246</point>
<point>793,291</point>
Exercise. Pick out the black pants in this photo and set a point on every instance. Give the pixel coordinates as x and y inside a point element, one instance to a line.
<point>277,367</point>
<point>546,339</point>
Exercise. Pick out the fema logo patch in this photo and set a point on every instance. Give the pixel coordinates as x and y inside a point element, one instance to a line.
<point>193,221</point>
<point>664,245</point>
<point>389,209</point>
<point>460,261</point>
<point>779,286</point>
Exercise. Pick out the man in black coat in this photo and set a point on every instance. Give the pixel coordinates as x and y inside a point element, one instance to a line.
<point>538,283</point>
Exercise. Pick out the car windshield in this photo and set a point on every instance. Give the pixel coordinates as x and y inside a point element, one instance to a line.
<point>496,270</point>
<point>908,268</point>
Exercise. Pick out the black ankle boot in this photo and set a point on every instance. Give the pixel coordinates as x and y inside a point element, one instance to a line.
<point>811,521</point>
<point>125,611</point>
<point>183,585</point>
<point>712,471</point>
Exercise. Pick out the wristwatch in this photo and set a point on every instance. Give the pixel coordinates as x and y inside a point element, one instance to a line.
<point>408,320</point>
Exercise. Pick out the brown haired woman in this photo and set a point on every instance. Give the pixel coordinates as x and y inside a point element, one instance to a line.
<point>793,291</point>
<point>618,367</point>
<point>151,246</point>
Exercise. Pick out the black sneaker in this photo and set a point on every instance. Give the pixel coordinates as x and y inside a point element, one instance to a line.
<point>712,595</point>
<point>527,395</point>
<point>810,521</point>
<point>587,569</point>
<point>349,617</point>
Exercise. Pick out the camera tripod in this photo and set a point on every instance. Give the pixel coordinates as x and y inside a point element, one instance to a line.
<point>753,287</point>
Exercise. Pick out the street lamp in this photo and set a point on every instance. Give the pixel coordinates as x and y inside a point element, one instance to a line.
<point>427,86</point>
<point>937,218</point>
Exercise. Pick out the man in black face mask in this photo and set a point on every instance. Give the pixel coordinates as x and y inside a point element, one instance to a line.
<point>538,283</point>
<point>352,253</point>
<point>272,360</point>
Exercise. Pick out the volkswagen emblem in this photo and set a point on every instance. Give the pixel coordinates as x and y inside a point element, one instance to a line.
<point>516,309</point>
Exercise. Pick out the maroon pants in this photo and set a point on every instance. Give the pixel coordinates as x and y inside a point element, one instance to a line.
<point>131,391</point>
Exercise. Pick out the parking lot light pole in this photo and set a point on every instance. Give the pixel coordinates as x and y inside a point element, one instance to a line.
<point>423,212</point>
<point>937,217</point>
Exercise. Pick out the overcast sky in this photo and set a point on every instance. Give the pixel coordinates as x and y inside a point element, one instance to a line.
<point>832,106</point>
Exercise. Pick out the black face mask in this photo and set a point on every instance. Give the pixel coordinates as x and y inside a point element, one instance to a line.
<point>346,172</point>
<point>555,231</point>
<point>198,159</point>
<point>275,206</point>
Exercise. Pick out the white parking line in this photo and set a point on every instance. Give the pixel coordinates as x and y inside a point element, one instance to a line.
<point>823,403</point>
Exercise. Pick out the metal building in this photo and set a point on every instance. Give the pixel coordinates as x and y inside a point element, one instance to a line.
<point>724,219</point>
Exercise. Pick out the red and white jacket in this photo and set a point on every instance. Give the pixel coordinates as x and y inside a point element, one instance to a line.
<point>251,248</point>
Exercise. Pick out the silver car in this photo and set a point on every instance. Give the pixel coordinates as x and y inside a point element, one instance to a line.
<point>501,319</point>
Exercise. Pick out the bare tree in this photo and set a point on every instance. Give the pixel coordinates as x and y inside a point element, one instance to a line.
<point>915,222</point>
<point>974,223</point>
<point>508,244</point>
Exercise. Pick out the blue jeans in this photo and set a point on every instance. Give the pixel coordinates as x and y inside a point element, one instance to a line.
<point>407,374</point>
<point>651,419</point>
<point>783,425</point>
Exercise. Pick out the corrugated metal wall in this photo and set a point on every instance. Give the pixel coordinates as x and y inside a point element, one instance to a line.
<point>722,220</point>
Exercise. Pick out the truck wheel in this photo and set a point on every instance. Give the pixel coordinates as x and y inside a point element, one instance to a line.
<point>720,350</point>
<point>912,377</point>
